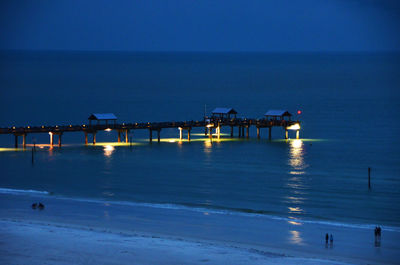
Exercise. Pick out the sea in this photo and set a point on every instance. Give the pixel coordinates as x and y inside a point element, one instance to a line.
<point>347,103</point>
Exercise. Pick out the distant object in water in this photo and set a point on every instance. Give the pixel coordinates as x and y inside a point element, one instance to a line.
<point>34,205</point>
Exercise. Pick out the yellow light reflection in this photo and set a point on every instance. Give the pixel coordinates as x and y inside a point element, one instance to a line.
<point>296,160</point>
<point>295,237</point>
<point>294,223</point>
<point>108,150</point>
<point>295,210</point>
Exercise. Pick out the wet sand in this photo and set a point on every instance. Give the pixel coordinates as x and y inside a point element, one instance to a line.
<point>89,232</point>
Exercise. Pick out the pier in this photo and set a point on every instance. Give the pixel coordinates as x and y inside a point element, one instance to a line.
<point>221,117</point>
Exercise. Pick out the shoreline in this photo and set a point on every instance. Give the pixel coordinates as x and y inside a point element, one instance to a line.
<point>253,234</point>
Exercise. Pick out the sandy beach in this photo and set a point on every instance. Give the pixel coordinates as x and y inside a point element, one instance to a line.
<point>89,232</point>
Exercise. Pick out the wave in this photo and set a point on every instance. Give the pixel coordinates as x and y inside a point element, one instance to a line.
<point>17,191</point>
<point>202,209</point>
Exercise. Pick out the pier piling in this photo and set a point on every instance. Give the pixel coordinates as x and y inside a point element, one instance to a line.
<point>24,140</point>
<point>126,136</point>
<point>269,133</point>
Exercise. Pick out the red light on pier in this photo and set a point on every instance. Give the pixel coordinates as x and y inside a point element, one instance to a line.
<point>298,112</point>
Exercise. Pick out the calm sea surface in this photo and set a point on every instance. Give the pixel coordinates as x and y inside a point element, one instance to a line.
<point>350,121</point>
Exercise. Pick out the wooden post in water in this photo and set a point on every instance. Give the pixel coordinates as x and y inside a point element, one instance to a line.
<point>243,131</point>
<point>219,131</point>
<point>158,135</point>
<point>189,134</point>
<point>150,135</point>
<point>24,140</point>
<point>94,137</point>
<point>59,139</point>
<point>126,136</point>
<point>51,138</point>
<point>86,139</point>
<point>286,133</point>
<point>269,133</point>
<point>15,141</point>
<point>240,131</point>
<point>231,131</point>
<point>180,133</point>
<point>297,134</point>
<point>247,131</point>
<point>258,132</point>
<point>119,136</point>
<point>369,178</point>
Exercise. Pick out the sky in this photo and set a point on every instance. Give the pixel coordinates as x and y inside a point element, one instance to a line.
<point>201,25</point>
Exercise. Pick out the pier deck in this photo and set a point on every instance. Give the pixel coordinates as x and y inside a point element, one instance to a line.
<point>208,124</point>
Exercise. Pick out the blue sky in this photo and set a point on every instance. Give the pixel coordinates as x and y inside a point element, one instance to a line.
<point>201,25</point>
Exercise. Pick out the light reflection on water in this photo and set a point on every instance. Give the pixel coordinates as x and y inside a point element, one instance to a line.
<point>295,237</point>
<point>108,150</point>
<point>296,184</point>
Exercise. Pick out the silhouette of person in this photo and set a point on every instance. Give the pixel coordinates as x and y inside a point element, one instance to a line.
<point>331,240</point>
<point>326,238</point>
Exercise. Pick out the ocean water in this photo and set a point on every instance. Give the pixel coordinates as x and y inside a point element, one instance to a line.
<point>350,121</point>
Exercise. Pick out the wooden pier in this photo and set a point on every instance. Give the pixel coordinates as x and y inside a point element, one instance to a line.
<point>243,126</point>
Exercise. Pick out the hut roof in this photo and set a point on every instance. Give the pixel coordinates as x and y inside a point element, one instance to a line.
<point>102,116</point>
<point>277,113</point>
<point>224,111</point>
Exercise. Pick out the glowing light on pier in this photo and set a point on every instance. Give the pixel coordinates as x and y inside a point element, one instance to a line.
<point>108,130</point>
<point>294,127</point>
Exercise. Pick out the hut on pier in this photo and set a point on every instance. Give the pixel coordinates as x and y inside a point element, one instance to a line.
<point>102,117</point>
<point>278,115</point>
<point>224,113</point>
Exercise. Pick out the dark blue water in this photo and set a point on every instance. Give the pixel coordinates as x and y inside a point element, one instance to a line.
<point>350,121</point>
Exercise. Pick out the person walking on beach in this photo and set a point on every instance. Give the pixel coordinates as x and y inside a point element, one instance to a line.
<point>377,236</point>
<point>331,240</point>
<point>326,238</point>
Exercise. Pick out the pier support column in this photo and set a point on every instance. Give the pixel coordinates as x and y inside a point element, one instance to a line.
<point>247,131</point>
<point>126,136</point>
<point>51,138</point>
<point>158,135</point>
<point>231,131</point>
<point>119,136</point>
<point>86,139</point>
<point>15,141</point>
<point>286,134</point>
<point>59,139</point>
<point>189,134</point>
<point>269,133</point>
<point>205,131</point>
<point>240,132</point>
<point>219,131</point>
<point>297,134</point>
<point>180,133</point>
<point>24,140</point>
<point>258,132</point>
<point>94,138</point>
<point>210,133</point>
<point>150,135</point>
